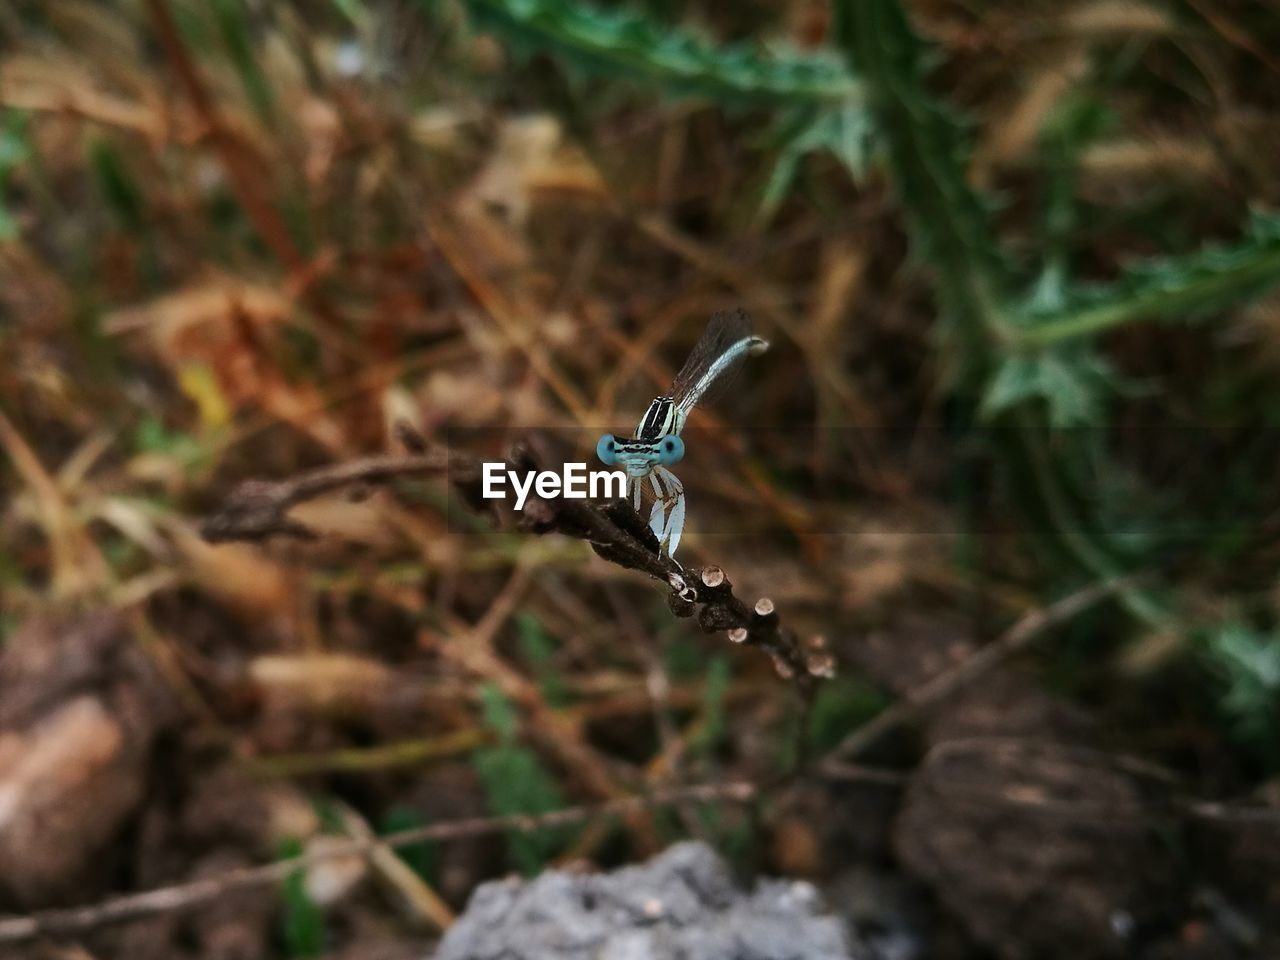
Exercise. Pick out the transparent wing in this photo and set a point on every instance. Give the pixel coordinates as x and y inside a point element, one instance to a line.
<point>715,358</point>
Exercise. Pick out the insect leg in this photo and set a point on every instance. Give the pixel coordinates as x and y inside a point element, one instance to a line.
<point>675,519</point>
<point>658,513</point>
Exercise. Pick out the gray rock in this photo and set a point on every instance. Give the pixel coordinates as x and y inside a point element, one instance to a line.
<point>682,905</point>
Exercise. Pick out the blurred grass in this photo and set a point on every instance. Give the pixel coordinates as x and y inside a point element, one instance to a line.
<point>493,216</point>
<point>516,782</point>
<point>302,927</point>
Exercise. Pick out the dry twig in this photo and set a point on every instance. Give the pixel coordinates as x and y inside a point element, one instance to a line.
<point>258,510</point>
<point>1016,638</point>
<point>186,895</point>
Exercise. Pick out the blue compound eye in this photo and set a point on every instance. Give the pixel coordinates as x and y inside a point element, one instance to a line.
<point>607,449</point>
<point>670,450</point>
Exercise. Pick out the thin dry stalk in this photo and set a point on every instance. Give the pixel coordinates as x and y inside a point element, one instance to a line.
<point>185,896</point>
<point>1013,640</point>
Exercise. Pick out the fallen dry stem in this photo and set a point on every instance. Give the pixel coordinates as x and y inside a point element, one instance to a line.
<point>183,896</point>
<point>1013,640</point>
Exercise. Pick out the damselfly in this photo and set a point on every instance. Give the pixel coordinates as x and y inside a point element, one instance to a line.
<point>656,445</point>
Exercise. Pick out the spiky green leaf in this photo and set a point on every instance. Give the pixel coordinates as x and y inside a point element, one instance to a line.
<point>928,146</point>
<point>846,133</point>
<point>1071,384</point>
<point>1164,287</point>
<point>626,45</point>
<point>952,230</point>
<point>1249,662</point>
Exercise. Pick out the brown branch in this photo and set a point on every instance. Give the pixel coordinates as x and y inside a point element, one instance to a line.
<point>186,895</point>
<point>1013,640</point>
<point>258,510</point>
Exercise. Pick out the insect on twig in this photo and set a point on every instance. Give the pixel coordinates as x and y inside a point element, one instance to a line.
<point>721,349</point>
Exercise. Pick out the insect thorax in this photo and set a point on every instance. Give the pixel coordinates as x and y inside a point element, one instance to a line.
<point>658,420</point>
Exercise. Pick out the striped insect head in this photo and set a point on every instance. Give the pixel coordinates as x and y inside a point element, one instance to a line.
<point>639,457</point>
<point>656,441</point>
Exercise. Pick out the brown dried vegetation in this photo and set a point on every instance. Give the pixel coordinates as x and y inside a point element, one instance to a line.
<point>258,325</point>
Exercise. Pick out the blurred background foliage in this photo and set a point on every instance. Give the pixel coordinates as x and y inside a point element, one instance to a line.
<point>1018,262</point>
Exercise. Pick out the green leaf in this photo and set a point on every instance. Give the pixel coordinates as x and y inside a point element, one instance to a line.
<point>1070,384</point>
<point>683,660</point>
<point>840,707</point>
<point>15,149</point>
<point>235,29</point>
<point>303,923</point>
<point>1191,285</point>
<point>951,229</point>
<point>422,857</point>
<point>715,691</point>
<point>539,650</point>
<point>9,229</point>
<point>117,185</point>
<point>351,9</point>
<point>846,133</point>
<point>516,782</point>
<point>822,98</point>
<point>499,714</point>
<point>626,45</point>
<point>1249,662</point>
<point>1076,121</point>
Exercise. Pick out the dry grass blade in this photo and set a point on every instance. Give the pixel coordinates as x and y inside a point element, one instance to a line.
<point>421,902</point>
<point>77,565</point>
